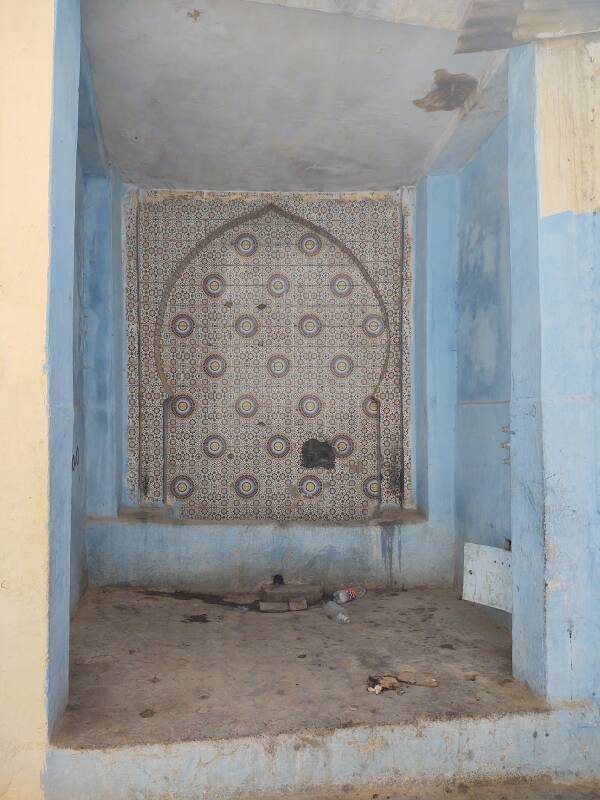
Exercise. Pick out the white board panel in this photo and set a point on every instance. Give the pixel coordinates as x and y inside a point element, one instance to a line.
<point>488,576</point>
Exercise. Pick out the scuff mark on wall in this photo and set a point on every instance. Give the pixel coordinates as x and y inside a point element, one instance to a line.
<point>450,91</point>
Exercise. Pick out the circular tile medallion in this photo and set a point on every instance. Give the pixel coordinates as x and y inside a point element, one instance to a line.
<point>246,326</point>
<point>373,325</point>
<point>370,407</point>
<point>343,446</point>
<point>182,325</point>
<point>214,285</point>
<point>341,366</point>
<point>245,244</point>
<point>341,285</point>
<point>310,486</point>
<point>309,406</point>
<point>246,486</point>
<point>278,366</point>
<point>246,405</point>
<point>182,406</point>
<point>278,446</point>
<point>278,285</point>
<point>372,488</point>
<point>182,487</point>
<point>214,366</point>
<point>214,446</point>
<point>310,326</point>
<point>309,244</point>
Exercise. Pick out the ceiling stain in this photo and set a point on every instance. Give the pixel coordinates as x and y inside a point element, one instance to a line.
<point>490,25</point>
<point>449,91</point>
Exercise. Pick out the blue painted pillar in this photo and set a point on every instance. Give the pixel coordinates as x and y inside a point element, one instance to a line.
<point>435,346</point>
<point>101,424</point>
<point>67,37</point>
<point>555,346</point>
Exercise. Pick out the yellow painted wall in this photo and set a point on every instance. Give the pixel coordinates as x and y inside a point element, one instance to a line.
<point>568,73</point>
<point>26,44</point>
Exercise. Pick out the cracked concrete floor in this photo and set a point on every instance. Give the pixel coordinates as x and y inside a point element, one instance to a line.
<point>149,668</point>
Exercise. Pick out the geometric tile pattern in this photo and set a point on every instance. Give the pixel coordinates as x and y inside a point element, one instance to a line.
<point>254,324</point>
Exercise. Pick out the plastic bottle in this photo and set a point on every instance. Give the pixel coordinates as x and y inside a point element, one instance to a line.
<point>349,593</point>
<point>333,611</point>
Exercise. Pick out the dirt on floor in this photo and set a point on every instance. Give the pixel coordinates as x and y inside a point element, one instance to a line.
<point>149,667</point>
<point>542,789</point>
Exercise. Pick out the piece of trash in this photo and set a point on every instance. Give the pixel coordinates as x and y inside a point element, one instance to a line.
<point>334,611</point>
<point>417,678</point>
<point>273,608</point>
<point>298,604</point>
<point>242,609</point>
<point>275,592</point>
<point>349,594</point>
<point>195,618</point>
<point>382,683</point>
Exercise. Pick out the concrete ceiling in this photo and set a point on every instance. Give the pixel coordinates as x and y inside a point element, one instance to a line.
<point>238,95</point>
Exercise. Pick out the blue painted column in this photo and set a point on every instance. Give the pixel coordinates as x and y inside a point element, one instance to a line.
<point>435,347</point>
<point>61,414</point>
<point>100,369</point>
<point>555,346</point>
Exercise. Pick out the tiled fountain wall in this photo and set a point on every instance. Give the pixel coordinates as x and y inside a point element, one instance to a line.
<point>256,323</point>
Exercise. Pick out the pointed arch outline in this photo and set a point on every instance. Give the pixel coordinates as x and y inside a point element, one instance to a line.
<point>241,220</point>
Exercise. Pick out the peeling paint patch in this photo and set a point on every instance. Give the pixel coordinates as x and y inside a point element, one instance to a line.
<point>450,91</point>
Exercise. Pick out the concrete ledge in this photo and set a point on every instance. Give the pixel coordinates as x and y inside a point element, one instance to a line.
<point>560,743</point>
<point>237,557</point>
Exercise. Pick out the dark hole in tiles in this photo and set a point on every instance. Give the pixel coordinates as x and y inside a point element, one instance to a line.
<point>317,454</point>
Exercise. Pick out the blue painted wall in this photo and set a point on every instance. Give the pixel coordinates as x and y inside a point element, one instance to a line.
<point>211,557</point>
<point>92,236</point>
<point>78,232</point>
<point>78,571</point>
<point>60,347</point>
<point>569,258</point>
<point>483,299</point>
<point>419,366</point>
<point>99,356</point>
<point>238,557</point>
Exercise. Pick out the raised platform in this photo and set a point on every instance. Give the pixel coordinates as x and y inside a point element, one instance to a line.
<point>153,668</point>
<point>176,697</point>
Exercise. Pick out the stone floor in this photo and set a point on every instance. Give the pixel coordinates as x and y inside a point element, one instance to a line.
<point>148,667</point>
<point>522,790</point>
